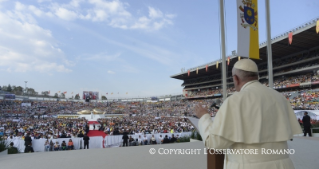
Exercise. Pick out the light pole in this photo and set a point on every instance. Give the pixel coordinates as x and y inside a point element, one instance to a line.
<point>25,87</point>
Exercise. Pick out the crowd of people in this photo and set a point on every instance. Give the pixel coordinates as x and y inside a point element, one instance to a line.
<point>139,118</point>
<point>279,82</point>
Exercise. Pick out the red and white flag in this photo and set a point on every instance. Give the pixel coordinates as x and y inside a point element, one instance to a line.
<point>290,38</point>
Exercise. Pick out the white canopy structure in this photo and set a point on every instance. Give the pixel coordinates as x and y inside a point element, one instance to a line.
<point>314,114</point>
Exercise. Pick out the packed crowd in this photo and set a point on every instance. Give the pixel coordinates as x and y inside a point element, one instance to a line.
<point>304,100</point>
<point>145,125</point>
<point>47,128</point>
<point>279,82</point>
<point>140,118</point>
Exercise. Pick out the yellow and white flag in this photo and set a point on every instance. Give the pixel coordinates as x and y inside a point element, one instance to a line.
<point>247,29</point>
<point>317,27</point>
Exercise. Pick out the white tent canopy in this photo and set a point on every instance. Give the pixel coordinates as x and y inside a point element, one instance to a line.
<point>314,114</point>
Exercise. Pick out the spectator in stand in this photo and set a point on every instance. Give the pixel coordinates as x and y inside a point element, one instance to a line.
<point>153,140</point>
<point>173,139</point>
<point>132,141</point>
<point>56,146</point>
<point>140,140</point>
<point>166,140</point>
<point>70,145</point>
<point>47,145</point>
<point>63,145</point>
<point>145,140</point>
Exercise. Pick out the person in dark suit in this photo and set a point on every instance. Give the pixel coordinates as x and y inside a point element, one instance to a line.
<point>27,139</point>
<point>29,148</point>
<point>306,124</point>
<point>125,138</point>
<point>173,139</point>
<point>86,141</point>
<point>93,126</point>
<point>166,140</point>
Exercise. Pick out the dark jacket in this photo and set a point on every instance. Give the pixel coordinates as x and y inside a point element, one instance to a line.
<point>13,150</point>
<point>166,140</point>
<point>173,139</point>
<point>306,121</point>
<point>125,137</point>
<point>28,149</point>
<point>86,139</point>
<point>27,140</point>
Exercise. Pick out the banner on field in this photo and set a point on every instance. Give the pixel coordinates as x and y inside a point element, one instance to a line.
<point>247,29</point>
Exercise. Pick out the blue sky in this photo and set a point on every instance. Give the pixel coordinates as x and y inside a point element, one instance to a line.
<point>119,45</point>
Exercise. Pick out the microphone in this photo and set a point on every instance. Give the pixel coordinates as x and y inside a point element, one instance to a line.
<point>215,103</point>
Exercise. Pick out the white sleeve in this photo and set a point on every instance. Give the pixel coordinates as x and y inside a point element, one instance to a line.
<point>210,140</point>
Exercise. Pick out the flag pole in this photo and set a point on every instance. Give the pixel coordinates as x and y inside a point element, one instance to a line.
<point>216,161</point>
<point>222,32</point>
<point>269,51</point>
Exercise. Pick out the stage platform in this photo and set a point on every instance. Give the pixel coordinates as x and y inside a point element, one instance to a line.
<point>139,157</point>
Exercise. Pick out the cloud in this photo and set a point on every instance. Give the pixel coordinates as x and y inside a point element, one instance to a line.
<point>25,46</point>
<point>153,13</point>
<point>110,72</point>
<point>100,57</point>
<point>114,13</point>
<point>65,14</point>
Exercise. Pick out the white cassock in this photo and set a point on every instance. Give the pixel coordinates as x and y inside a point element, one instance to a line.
<point>257,117</point>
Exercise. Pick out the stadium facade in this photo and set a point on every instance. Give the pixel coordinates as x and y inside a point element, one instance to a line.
<point>289,61</point>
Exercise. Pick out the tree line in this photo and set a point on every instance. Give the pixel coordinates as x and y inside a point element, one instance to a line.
<point>29,91</point>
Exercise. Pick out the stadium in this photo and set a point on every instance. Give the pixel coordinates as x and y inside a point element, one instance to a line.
<point>295,75</point>
<point>295,66</point>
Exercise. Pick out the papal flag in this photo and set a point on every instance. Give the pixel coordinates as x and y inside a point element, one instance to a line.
<point>317,27</point>
<point>247,29</point>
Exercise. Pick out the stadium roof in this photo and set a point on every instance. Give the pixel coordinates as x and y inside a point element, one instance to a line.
<point>305,38</point>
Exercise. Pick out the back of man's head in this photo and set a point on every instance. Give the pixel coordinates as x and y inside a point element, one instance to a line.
<point>244,70</point>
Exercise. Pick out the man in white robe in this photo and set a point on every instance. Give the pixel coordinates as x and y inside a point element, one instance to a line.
<point>255,117</point>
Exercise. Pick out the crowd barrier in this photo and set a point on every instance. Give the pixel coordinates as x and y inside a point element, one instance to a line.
<point>95,142</point>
